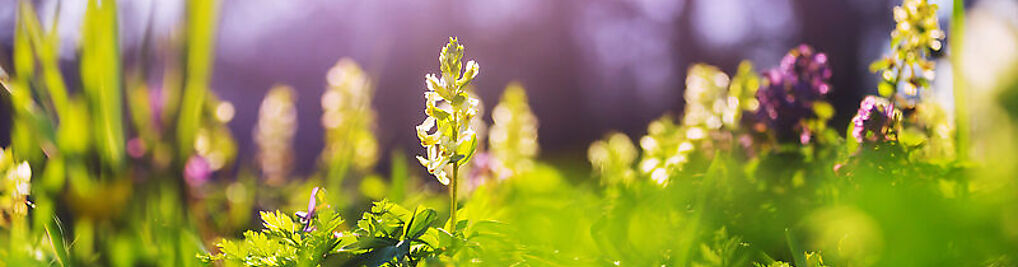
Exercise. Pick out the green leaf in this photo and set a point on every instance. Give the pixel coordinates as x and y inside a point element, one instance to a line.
<point>380,256</point>
<point>456,158</point>
<point>374,242</point>
<point>278,222</point>
<point>56,240</point>
<point>439,114</point>
<point>793,245</point>
<point>459,99</point>
<point>468,150</point>
<point>431,237</point>
<point>327,221</point>
<point>445,238</point>
<point>422,219</point>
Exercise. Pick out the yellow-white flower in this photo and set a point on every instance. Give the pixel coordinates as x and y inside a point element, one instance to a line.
<point>446,132</point>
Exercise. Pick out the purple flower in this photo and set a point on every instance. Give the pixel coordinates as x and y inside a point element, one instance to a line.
<point>791,89</point>
<point>136,147</point>
<point>305,216</point>
<point>197,171</point>
<point>876,120</point>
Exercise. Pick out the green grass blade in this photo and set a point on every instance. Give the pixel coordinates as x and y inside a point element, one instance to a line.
<point>100,73</point>
<point>201,23</point>
<point>56,239</point>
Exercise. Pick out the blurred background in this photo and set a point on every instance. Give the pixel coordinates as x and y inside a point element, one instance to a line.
<point>588,65</point>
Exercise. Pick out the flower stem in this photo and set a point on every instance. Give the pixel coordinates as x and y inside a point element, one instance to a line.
<point>452,196</point>
<point>961,115</point>
<point>453,184</point>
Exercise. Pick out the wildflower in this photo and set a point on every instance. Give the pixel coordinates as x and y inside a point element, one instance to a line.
<point>277,124</point>
<point>915,37</point>
<point>136,147</point>
<point>197,171</point>
<point>666,149</point>
<point>513,137</point>
<point>791,100</point>
<point>713,101</point>
<point>741,95</point>
<point>613,157</point>
<point>16,185</point>
<point>909,70</point>
<point>306,216</point>
<point>706,97</point>
<point>19,179</point>
<point>713,114</point>
<point>447,134</point>
<point>348,118</point>
<point>450,108</point>
<point>876,121</point>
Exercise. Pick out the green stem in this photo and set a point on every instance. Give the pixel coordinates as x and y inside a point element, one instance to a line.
<point>452,196</point>
<point>961,115</point>
<point>453,183</point>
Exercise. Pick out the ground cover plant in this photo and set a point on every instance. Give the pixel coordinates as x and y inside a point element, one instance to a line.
<point>110,172</point>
